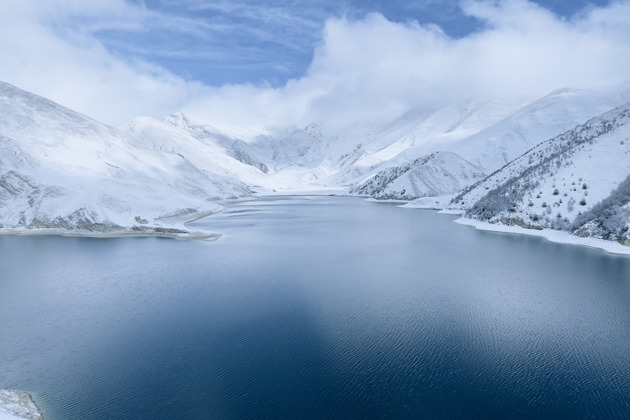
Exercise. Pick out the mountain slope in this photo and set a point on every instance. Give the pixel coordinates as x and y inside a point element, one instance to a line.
<point>437,174</point>
<point>485,135</point>
<point>577,181</point>
<point>62,170</point>
<point>419,133</point>
<point>321,155</point>
<point>234,147</point>
<point>541,120</point>
<point>388,161</point>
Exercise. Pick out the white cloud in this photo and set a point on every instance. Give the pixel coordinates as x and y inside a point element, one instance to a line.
<point>375,68</point>
<point>363,69</point>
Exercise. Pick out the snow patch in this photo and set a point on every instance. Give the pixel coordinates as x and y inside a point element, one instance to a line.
<point>551,235</point>
<point>18,405</point>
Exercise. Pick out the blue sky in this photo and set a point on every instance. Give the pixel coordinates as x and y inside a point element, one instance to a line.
<point>249,41</point>
<point>246,63</point>
<point>244,41</point>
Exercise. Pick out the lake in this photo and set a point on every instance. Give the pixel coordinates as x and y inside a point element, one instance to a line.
<point>316,307</point>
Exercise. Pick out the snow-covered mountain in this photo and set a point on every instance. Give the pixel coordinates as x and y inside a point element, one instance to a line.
<point>578,181</point>
<point>541,120</point>
<point>60,169</point>
<point>433,175</point>
<point>321,155</point>
<point>488,147</point>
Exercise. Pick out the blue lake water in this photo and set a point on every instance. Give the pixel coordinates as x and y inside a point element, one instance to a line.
<point>316,307</point>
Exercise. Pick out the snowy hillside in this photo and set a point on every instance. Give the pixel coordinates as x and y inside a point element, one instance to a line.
<point>578,181</point>
<point>322,155</point>
<point>234,147</point>
<point>487,149</point>
<point>206,156</point>
<point>62,170</point>
<point>289,157</point>
<point>539,121</point>
<point>437,174</point>
<point>419,133</point>
<point>480,136</point>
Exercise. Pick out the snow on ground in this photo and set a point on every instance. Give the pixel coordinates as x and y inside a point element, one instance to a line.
<point>18,405</point>
<point>541,120</point>
<point>558,181</point>
<point>316,192</point>
<point>429,202</point>
<point>557,236</point>
<point>62,172</point>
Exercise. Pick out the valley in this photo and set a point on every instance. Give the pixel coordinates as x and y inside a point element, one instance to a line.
<point>556,162</point>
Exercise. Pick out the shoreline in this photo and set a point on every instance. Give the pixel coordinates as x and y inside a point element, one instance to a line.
<point>176,229</point>
<point>20,405</point>
<point>179,228</point>
<point>556,236</point>
<point>190,236</point>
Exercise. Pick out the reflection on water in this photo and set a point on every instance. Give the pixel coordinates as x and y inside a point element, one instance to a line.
<point>316,307</point>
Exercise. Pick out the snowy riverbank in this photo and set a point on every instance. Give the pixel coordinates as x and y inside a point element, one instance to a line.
<point>158,233</point>
<point>551,235</point>
<point>435,203</point>
<point>18,405</point>
<point>174,226</point>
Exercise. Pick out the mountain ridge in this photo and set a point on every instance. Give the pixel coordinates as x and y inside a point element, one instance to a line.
<point>62,171</point>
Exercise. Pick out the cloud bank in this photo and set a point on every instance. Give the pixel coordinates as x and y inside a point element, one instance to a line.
<point>365,69</point>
